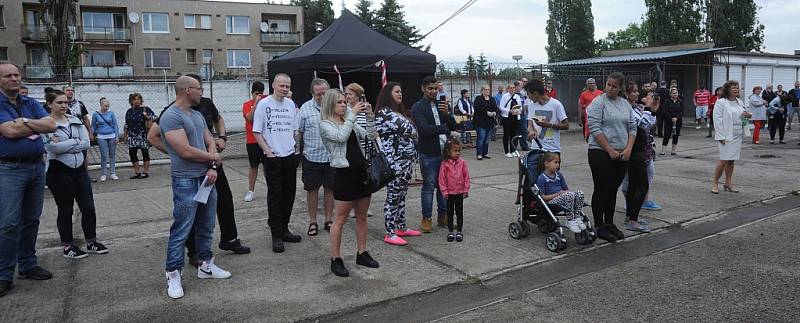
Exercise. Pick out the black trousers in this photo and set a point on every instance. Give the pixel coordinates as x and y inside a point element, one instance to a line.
<point>777,124</point>
<point>660,124</point>
<point>69,185</point>
<point>455,204</point>
<point>638,185</point>
<point>669,133</point>
<point>607,175</point>
<point>225,215</point>
<point>281,175</point>
<point>509,131</point>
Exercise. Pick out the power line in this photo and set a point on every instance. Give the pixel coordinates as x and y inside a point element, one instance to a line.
<point>456,13</point>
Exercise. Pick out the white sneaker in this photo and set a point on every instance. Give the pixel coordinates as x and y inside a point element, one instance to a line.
<point>574,225</point>
<point>698,127</point>
<point>174,287</point>
<point>249,196</point>
<point>114,177</point>
<point>209,270</point>
<point>509,155</point>
<point>515,154</point>
<point>102,178</point>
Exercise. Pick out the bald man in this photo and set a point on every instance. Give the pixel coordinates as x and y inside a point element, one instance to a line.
<point>194,160</point>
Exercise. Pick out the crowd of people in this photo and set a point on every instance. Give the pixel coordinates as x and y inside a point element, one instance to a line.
<point>335,139</point>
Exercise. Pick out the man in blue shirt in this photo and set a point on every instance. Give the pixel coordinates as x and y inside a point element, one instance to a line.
<point>22,175</point>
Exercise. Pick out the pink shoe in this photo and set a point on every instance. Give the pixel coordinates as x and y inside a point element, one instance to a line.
<point>395,240</point>
<point>407,233</point>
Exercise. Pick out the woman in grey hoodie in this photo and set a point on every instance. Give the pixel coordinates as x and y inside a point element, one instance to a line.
<point>67,177</point>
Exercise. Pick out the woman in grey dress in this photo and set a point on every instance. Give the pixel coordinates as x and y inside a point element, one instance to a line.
<point>730,118</point>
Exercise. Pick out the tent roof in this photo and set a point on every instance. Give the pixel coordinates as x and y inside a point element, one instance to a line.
<point>351,44</point>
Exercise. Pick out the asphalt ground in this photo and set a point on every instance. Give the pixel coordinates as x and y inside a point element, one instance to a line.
<point>134,216</point>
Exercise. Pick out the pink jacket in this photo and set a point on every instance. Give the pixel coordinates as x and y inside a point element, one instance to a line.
<point>453,177</point>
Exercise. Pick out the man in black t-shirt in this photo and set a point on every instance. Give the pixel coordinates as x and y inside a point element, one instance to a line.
<point>229,236</point>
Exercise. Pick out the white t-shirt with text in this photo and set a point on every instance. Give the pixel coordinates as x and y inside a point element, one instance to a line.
<point>552,112</point>
<point>276,122</point>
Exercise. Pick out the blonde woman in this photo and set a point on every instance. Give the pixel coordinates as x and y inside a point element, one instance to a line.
<point>341,135</point>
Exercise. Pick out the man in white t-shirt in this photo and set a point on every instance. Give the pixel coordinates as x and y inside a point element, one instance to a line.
<point>546,117</point>
<point>275,129</point>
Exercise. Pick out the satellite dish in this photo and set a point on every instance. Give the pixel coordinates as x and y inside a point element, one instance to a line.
<point>264,27</point>
<point>133,17</point>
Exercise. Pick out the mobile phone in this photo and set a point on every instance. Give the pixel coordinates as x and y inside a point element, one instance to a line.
<point>362,99</point>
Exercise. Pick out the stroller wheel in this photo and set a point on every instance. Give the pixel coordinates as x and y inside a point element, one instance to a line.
<point>582,237</point>
<point>515,230</point>
<point>553,242</point>
<point>592,235</point>
<point>526,228</point>
<point>563,241</point>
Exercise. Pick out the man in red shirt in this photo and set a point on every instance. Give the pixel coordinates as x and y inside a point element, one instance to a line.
<point>550,91</point>
<point>585,99</point>
<point>254,152</point>
<point>701,105</point>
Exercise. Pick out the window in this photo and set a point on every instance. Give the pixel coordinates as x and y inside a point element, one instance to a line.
<point>190,21</point>
<point>2,17</point>
<point>279,25</point>
<point>39,56</point>
<point>93,57</point>
<point>239,58</point>
<point>3,53</point>
<point>101,22</point>
<point>238,25</point>
<point>208,54</point>
<point>191,56</point>
<point>155,22</point>
<point>156,58</point>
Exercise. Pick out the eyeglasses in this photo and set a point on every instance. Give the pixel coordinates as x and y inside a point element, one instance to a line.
<point>195,87</point>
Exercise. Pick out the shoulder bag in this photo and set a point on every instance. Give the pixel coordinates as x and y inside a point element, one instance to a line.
<point>379,174</point>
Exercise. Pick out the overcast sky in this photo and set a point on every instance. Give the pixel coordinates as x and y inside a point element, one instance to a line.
<point>501,29</point>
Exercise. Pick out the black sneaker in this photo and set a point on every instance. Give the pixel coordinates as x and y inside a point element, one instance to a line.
<point>605,234</point>
<point>290,237</point>
<point>36,273</point>
<point>5,286</point>
<point>236,246</point>
<point>364,259</point>
<point>137,176</point>
<point>614,230</point>
<point>486,157</point>
<point>338,268</point>
<point>277,245</point>
<point>96,247</point>
<point>459,237</point>
<point>74,253</point>
<point>451,237</point>
<point>144,175</point>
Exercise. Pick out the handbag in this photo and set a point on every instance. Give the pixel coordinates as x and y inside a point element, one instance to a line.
<point>379,174</point>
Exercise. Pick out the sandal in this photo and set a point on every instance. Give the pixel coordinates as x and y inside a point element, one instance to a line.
<point>313,229</point>
<point>328,225</point>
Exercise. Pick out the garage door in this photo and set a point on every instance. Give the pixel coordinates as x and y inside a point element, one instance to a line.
<point>756,75</point>
<point>720,76</point>
<point>784,75</point>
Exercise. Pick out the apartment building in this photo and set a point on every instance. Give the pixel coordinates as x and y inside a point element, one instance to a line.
<point>139,39</point>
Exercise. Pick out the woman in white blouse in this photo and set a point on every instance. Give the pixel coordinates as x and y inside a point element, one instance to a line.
<point>729,120</point>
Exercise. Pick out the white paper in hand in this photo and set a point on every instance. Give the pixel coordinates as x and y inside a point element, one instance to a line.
<point>203,192</point>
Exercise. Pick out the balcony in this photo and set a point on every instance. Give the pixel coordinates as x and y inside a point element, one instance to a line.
<point>80,72</point>
<point>288,38</point>
<point>34,33</point>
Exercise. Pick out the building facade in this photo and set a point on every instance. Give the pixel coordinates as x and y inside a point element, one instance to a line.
<point>140,39</point>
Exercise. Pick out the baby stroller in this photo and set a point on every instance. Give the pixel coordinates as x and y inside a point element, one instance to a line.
<point>532,208</point>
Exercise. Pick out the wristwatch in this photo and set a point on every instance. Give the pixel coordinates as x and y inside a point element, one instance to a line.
<point>214,165</point>
<point>223,137</point>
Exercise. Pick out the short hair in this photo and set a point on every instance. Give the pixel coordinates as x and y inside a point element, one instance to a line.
<point>356,88</point>
<point>133,96</point>
<point>64,88</point>
<point>48,90</point>
<point>535,86</point>
<point>196,77</point>
<point>317,81</point>
<point>464,91</point>
<point>23,87</point>
<point>51,96</point>
<point>183,83</point>
<point>428,80</point>
<point>281,75</point>
<point>329,101</point>
<point>517,83</point>
<point>590,79</point>
<point>101,99</point>
<point>257,87</point>
<point>726,88</point>
<point>6,62</point>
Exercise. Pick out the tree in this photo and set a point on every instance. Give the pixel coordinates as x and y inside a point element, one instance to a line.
<point>364,12</point>
<point>470,67</point>
<point>482,65</point>
<point>391,22</point>
<point>60,17</point>
<point>632,36</point>
<point>735,23</point>
<point>570,30</point>
<point>317,15</point>
<point>673,22</point>
<point>443,71</point>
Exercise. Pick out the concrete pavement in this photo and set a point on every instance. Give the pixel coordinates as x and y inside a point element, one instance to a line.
<point>134,218</point>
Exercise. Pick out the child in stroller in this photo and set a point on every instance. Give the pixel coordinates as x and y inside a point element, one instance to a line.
<point>553,187</point>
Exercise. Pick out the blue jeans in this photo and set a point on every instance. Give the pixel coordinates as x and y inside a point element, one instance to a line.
<point>108,155</point>
<point>187,214</point>
<point>20,207</point>
<point>430,185</point>
<point>482,146</point>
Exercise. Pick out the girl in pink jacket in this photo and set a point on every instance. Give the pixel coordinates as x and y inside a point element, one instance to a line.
<point>454,185</point>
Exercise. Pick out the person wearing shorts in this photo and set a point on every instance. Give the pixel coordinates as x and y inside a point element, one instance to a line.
<point>254,152</point>
<point>701,97</point>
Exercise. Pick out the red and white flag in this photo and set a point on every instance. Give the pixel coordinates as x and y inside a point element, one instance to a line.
<point>383,74</point>
<point>338,74</point>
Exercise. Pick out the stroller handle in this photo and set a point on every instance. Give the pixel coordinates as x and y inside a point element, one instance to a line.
<point>516,140</point>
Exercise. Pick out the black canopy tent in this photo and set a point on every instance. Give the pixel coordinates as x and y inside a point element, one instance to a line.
<point>355,49</point>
